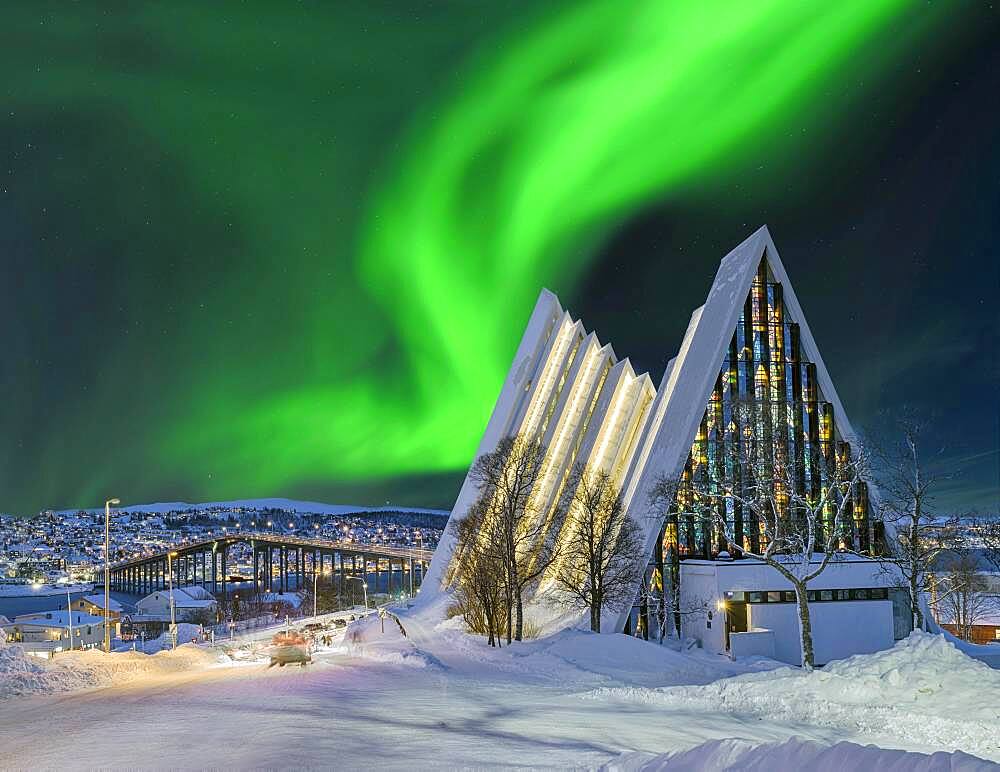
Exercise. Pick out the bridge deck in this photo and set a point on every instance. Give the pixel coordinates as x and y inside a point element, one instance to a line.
<point>277,540</point>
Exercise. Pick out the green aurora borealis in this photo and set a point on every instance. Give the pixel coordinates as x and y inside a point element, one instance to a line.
<point>295,247</point>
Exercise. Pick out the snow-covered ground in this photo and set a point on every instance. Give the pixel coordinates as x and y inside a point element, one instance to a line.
<point>21,674</point>
<point>440,698</point>
<point>797,755</point>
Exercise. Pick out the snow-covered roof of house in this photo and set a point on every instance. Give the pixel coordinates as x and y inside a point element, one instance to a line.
<point>198,592</point>
<point>56,619</point>
<point>184,598</point>
<point>293,599</point>
<point>988,615</point>
<point>141,618</point>
<point>98,600</point>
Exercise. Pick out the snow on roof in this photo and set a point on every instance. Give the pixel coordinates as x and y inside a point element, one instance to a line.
<point>57,619</point>
<point>184,598</point>
<point>990,615</point>
<point>291,598</point>
<point>198,592</point>
<point>98,600</point>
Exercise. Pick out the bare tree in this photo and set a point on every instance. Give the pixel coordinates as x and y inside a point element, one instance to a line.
<point>961,596</point>
<point>666,598</point>
<point>517,533</point>
<point>988,531</point>
<point>921,535</point>
<point>665,606</point>
<point>478,578</point>
<point>802,519</point>
<point>602,547</point>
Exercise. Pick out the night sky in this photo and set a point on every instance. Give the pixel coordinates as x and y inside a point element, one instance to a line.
<point>276,249</point>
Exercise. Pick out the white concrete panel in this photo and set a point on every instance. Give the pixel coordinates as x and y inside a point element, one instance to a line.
<point>839,628</point>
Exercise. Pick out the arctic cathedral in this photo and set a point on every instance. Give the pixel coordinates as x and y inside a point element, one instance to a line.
<point>748,345</point>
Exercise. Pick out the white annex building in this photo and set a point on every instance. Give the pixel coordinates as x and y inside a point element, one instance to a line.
<point>749,342</point>
<point>188,603</point>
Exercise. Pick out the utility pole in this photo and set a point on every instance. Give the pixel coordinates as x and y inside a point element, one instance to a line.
<point>107,570</point>
<point>69,610</point>
<point>170,579</point>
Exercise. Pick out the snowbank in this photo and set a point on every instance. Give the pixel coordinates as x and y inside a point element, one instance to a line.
<point>628,659</point>
<point>565,653</point>
<point>186,633</point>
<point>22,674</point>
<point>797,754</point>
<point>923,691</point>
<point>381,641</point>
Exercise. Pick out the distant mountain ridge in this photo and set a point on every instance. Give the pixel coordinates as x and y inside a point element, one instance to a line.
<point>288,505</point>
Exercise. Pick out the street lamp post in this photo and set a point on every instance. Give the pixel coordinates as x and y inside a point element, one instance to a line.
<point>69,610</point>
<point>315,583</point>
<point>170,580</point>
<point>364,586</point>
<point>107,570</point>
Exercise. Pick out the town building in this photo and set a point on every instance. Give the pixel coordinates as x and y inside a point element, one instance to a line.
<point>191,603</point>
<point>94,604</point>
<point>984,630</point>
<point>748,366</point>
<point>45,633</point>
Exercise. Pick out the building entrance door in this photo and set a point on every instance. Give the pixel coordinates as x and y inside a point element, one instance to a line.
<point>736,619</point>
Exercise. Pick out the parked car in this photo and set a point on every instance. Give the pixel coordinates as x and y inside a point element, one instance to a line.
<point>289,648</point>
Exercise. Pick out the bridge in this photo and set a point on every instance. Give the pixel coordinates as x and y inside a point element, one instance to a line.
<point>279,563</point>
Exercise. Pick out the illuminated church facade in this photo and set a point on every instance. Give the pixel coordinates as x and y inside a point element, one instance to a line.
<point>748,345</point>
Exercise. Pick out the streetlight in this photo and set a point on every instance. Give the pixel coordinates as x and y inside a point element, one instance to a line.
<point>69,610</point>
<point>364,586</point>
<point>233,609</point>
<point>316,574</point>
<point>107,570</point>
<point>170,579</point>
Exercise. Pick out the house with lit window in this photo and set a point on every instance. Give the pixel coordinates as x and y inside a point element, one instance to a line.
<point>45,633</point>
<point>191,602</point>
<point>94,604</point>
<point>747,367</point>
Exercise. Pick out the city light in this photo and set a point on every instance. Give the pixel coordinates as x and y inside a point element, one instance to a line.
<point>137,543</point>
